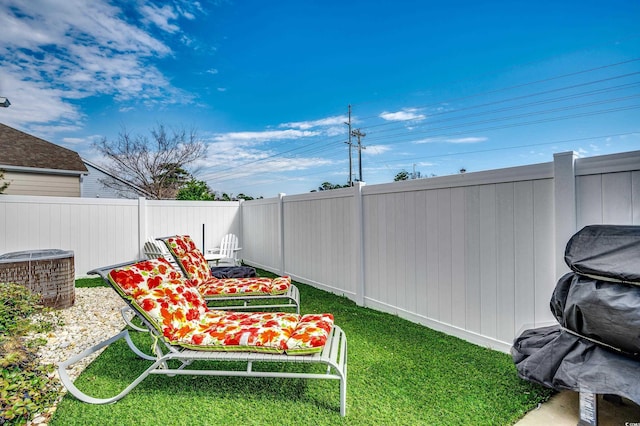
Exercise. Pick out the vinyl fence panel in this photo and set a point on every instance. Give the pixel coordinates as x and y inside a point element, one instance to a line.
<point>475,255</point>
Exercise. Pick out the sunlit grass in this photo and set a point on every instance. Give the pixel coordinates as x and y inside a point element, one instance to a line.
<point>398,373</point>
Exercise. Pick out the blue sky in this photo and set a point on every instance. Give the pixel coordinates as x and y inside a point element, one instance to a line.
<point>435,86</point>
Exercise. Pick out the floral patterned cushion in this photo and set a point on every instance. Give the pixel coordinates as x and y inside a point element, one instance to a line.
<point>235,287</point>
<point>310,335</point>
<point>161,294</point>
<point>245,331</point>
<point>197,269</point>
<point>131,280</point>
<point>280,285</point>
<point>191,259</point>
<point>177,309</point>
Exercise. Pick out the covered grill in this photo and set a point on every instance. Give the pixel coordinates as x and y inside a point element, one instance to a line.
<point>595,348</point>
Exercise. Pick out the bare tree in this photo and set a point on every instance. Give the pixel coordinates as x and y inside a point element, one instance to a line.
<point>157,166</point>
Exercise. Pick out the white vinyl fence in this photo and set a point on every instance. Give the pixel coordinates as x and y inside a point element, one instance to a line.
<point>103,232</point>
<point>475,255</point>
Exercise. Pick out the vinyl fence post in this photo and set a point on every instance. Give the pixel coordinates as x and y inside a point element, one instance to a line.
<point>564,182</point>
<point>358,238</point>
<point>142,225</point>
<point>281,230</point>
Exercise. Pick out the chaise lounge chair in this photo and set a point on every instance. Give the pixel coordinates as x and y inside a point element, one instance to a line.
<point>245,290</point>
<point>186,330</point>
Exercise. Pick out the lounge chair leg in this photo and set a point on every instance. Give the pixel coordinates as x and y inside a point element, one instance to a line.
<point>343,396</point>
<point>127,315</point>
<point>71,387</point>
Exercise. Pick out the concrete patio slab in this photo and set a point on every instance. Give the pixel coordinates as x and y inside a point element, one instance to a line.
<point>563,410</point>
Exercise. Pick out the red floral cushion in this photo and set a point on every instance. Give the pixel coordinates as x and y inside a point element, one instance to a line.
<point>246,331</point>
<point>197,269</point>
<point>178,310</point>
<point>162,295</point>
<point>280,285</point>
<point>231,287</point>
<point>310,335</point>
<point>191,259</point>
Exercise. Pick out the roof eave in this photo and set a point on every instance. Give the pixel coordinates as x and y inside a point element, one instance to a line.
<point>22,169</point>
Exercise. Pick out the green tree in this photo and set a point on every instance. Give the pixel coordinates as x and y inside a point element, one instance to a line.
<point>326,186</point>
<point>195,190</point>
<point>173,175</point>
<point>157,165</point>
<point>403,175</point>
<point>3,185</point>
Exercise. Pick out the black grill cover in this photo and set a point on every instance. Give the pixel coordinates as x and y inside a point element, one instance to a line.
<point>604,311</point>
<point>609,252</point>
<point>596,344</point>
<point>233,272</point>
<point>555,358</point>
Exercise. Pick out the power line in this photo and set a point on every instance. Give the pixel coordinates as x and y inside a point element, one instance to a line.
<point>452,111</point>
<point>328,145</point>
<point>518,86</point>
<point>504,148</point>
<point>523,115</point>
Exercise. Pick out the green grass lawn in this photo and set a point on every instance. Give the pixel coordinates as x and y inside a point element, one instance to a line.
<point>399,373</point>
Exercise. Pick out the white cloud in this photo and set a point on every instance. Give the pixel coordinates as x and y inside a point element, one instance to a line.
<point>56,51</point>
<point>377,149</point>
<point>231,162</point>
<point>212,71</point>
<point>88,140</point>
<point>329,126</point>
<point>253,138</point>
<point>406,114</point>
<point>160,17</point>
<point>467,140</point>
<point>323,122</point>
<point>35,102</point>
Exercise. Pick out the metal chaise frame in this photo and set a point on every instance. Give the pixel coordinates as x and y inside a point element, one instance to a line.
<point>292,295</point>
<point>333,356</point>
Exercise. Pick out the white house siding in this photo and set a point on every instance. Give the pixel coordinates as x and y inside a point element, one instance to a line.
<point>93,188</point>
<point>42,184</point>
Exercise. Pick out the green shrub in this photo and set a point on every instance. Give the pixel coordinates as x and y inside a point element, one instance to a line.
<point>26,387</point>
<point>17,304</point>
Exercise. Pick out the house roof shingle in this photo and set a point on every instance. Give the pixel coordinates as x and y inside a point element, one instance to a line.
<point>21,149</point>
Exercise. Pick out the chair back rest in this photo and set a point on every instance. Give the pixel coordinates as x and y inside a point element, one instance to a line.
<point>229,246</point>
<point>190,258</point>
<point>154,249</point>
<point>162,295</point>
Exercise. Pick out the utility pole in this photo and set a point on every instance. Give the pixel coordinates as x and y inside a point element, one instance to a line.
<point>357,133</point>
<point>348,123</point>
